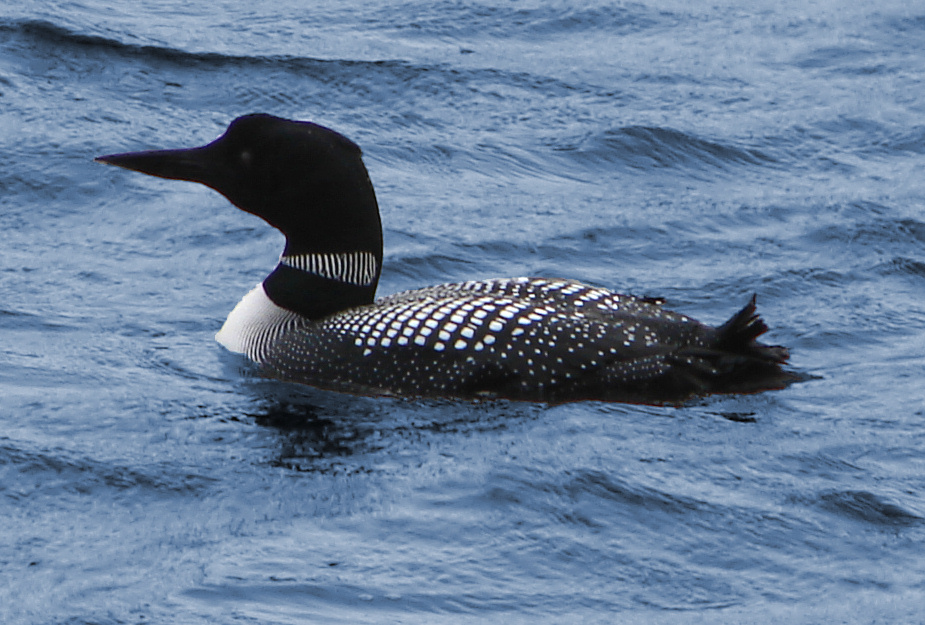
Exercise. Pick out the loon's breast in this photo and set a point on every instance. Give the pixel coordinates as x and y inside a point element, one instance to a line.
<point>524,338</point>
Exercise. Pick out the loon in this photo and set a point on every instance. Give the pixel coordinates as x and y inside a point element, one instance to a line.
<point>315,319</point>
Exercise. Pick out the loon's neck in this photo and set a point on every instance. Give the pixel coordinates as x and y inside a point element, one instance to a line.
<point>315,285</point>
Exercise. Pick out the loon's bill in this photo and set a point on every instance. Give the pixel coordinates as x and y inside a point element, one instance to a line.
<point>315,319</point>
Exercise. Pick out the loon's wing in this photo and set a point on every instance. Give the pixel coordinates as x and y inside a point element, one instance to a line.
<point>522,339</point>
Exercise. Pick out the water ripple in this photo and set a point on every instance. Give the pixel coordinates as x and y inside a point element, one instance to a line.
<point>50,471</point>
<point>867,507</point>
<point>646,148</point>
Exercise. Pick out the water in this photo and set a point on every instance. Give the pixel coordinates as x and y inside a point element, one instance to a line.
<point>698,153</point>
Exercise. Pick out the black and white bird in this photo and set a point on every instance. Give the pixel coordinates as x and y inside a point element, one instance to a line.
<point>315,320</point>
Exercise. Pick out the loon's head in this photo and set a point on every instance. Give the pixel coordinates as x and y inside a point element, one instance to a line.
<point>306,180</point>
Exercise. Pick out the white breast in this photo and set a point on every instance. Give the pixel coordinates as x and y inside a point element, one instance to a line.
<point>254,324</point>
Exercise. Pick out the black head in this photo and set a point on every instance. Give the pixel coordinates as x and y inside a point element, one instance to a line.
<point>304,179</point>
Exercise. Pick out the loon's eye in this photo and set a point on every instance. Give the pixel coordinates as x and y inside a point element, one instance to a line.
<point>246,158</point>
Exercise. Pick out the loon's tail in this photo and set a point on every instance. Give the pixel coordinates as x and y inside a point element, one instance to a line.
<point>737,336</point>
<point>731,360</point>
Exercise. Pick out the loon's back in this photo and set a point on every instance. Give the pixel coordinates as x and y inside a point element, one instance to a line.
<point>315,320</point>
<point>528,339</point>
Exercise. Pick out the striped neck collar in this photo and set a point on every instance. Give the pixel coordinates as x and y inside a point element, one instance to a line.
<point>359,268</point>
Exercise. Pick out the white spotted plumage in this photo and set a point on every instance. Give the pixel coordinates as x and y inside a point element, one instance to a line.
<point>529,336</point>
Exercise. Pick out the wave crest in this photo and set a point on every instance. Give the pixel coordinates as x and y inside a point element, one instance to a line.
<point>648,147</point>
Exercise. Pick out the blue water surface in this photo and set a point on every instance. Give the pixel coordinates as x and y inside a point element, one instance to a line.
<point>700,152</point>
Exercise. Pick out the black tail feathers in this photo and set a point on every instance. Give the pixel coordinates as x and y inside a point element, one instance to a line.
<point>739,334</point>
<point>731,360</point>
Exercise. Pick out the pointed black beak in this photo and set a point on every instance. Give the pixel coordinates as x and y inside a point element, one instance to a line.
<point>192,164</point>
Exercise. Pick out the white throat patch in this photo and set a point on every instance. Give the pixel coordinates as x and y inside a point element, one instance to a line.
<point>353,267</point>
<point>254,324</point>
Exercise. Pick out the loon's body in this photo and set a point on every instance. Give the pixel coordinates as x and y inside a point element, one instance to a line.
<point>315,320</point>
